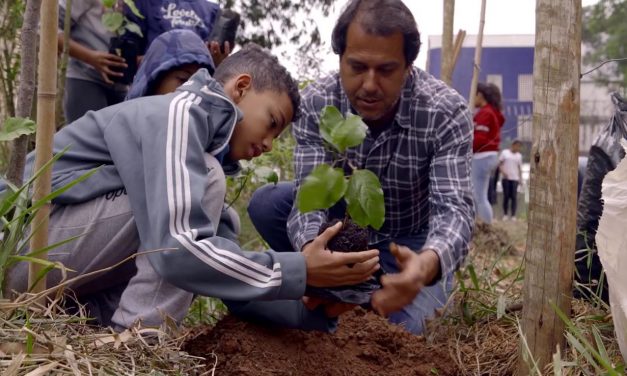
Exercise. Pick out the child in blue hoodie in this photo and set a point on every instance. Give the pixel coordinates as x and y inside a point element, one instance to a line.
<point>159,16</point>
<point>159,192</point>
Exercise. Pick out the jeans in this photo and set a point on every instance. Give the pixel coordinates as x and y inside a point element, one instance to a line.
<point>269,208</point>
<point>510,193</point>
<point>83,95</point>
<point>481,171</point>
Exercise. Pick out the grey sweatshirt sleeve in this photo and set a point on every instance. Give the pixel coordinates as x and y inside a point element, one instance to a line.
<point>166,191</point>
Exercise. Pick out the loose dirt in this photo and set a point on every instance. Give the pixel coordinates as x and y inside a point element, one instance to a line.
<point>365,344</point>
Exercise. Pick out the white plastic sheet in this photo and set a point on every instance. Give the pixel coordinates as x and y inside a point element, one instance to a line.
<point>612,246</point>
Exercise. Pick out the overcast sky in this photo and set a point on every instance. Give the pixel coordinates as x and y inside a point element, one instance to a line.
<point>502,17</point>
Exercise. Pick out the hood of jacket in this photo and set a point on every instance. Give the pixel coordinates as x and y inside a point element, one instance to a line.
<point>222,114</point>
<point>169,50</point>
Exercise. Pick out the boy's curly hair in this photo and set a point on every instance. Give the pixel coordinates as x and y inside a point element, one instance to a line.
<point>265,69</point>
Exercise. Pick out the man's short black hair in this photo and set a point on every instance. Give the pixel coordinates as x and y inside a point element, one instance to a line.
<point>264,68</point>
<point>381,18</point>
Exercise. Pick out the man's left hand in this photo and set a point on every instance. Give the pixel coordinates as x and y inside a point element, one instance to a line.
<point>400,289</point>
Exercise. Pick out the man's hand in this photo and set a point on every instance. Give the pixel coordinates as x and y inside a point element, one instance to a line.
<point>398,290</point>
<point>330,269</point>
<point>216,53</point>
<point>103,62</point>
<point>331,309</point>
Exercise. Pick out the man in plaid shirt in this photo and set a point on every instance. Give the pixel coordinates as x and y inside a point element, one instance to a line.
<point>419,144</point>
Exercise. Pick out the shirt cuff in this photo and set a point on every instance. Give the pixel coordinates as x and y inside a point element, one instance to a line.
<point>309,234</point>
<point>444,254</point>
<point>293,274</point>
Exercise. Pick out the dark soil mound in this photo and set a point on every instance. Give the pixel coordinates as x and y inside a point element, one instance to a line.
<point>365,344</point>
<point>351,238</point>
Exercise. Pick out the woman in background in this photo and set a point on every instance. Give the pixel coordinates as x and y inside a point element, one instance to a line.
<point>487,136</point>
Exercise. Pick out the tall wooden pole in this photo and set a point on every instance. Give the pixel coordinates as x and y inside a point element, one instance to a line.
<point>477,61</point>
<point>446,70</point>
<point>28,46</point>
<point>549,258</point>
<point>46,95</point>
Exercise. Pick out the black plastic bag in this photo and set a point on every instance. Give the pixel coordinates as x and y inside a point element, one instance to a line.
<point>225,29</point>
<point>606,152</point>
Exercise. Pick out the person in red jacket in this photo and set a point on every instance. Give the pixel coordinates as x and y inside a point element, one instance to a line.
<point>487,136</point>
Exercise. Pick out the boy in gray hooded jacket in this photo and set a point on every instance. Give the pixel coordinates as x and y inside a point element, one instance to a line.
<point>160,188</point>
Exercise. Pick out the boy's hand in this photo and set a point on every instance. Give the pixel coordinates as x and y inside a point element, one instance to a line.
<point>216,53</point>
<point>103,62</point>
<point>330,269</point>
<point>400,289</point>
<point>331,309</point>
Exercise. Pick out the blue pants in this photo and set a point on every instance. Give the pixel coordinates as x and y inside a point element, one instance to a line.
<point>271,205</point>
<point>482,169</point>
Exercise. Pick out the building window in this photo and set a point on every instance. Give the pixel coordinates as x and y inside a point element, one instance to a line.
<point>525,127</point>
<point>495,79</point>
<point>525,87</point>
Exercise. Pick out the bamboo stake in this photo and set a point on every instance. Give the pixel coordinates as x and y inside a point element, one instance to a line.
<point>446,69</point>
<point>47,85</point>
<point>459,41</point>
<point>477,62</point>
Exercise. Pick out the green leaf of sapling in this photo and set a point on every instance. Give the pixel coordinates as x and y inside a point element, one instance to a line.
<point>112,21</point>
<point>108,3</point>
<point>133,8</point>
<point>364,198</point>
<point>321,189</point>
<point>330,119</point>
<point>15,127</point>
<point>350,133</point>
<point>133,28</point>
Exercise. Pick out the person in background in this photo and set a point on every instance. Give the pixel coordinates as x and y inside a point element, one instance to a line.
<point>89,85</point>
<point>487,136</point>
<point>510,166</point>
<point>172,58</point>
<point>159,16</point>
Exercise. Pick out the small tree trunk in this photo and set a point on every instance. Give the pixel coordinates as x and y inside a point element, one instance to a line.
<point>549,258</point>
<point>67,23</point>
<point>45,131</point>
<point>446,70</point>
<point>28,43</point>
<point>477,61</point>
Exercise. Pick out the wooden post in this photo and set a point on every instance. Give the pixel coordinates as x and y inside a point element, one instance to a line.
<point>446,70</point>
<point>28,45</point>
<point>46,94</point>
<point>477,61</point>
<point>549,258</point>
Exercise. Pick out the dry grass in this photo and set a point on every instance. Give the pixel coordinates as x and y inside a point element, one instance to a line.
<point>481,327</point>
<point>37,340</point>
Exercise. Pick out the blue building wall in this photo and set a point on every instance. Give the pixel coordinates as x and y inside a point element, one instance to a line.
<point>509,62</point>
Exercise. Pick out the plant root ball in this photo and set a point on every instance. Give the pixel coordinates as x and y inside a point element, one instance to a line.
<point>351,238</point>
